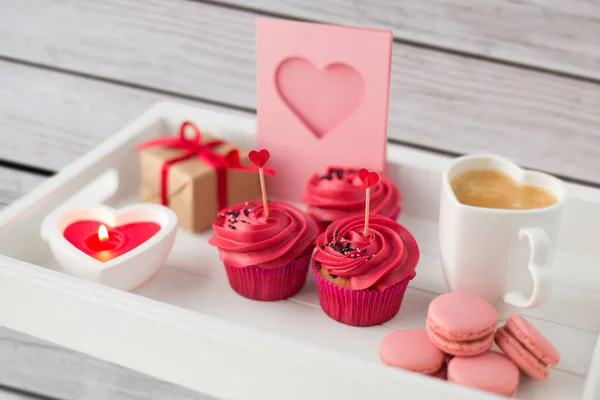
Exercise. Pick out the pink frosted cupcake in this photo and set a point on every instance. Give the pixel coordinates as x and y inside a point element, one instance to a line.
<point>340,194</point>
<point>266,258</point>
<point>361,282</point>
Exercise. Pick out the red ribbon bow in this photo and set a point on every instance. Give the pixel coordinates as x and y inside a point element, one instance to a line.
<point>193,147</point>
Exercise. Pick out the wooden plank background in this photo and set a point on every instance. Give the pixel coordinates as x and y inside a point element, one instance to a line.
<point>199,51</point>
<point>516,77</point>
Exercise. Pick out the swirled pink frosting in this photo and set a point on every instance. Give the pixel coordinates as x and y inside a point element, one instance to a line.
<point>340,194</point>
<point>388,255</point>
<point>245,236</point>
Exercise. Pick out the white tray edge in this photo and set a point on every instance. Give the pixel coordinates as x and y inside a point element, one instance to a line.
<point>155,330</point>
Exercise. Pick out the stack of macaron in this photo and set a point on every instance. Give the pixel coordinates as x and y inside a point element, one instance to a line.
<point>339,193</point>
<point>462,326</point>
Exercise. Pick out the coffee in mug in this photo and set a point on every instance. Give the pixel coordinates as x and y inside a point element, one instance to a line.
<point>491,188</point>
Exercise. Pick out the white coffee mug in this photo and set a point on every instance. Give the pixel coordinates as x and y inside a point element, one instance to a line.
<point>501,255</point>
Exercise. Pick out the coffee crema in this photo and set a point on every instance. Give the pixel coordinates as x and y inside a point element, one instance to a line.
<point>490,188</point>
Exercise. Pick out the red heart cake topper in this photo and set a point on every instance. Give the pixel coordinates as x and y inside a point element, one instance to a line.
<point>259,158</point>
<point>368,178</point>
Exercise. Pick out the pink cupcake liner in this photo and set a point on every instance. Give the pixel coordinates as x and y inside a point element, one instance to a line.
<point>359,307</point>
<point>270,284</point>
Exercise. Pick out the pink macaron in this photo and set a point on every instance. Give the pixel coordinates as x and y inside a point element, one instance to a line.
<point>461,324</point>
<point>490,371</point>
<point>527,347</point>
<point>412,350</point>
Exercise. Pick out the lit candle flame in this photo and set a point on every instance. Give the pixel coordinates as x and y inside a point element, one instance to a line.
<point>103,233</point>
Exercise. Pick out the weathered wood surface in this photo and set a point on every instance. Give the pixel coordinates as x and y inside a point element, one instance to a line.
<point>439,100</point>
<point>43,368</point>
<point>49,119</point>
<point>14,184</point>
<point>9,395</point>
<point>556,35</point>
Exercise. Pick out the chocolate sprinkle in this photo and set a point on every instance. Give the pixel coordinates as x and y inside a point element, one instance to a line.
<point>334,173</point>
<point>232,217</point>
<point>344,249</point>
<point>332,275</point>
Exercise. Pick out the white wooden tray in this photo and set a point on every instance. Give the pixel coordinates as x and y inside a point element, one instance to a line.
<point>188,327</point>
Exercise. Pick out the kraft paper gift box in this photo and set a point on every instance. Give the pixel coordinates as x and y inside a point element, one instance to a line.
<point>192,187</point>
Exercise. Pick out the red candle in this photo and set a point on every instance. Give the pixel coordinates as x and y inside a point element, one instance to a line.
<point>105,244</point>
<point>104,240</point>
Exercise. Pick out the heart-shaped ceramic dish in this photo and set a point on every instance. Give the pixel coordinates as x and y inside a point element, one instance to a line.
<point>126,271</point>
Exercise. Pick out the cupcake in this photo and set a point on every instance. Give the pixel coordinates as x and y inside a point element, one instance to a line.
<point>361,281</point>
<point>340,194</point>
<point>266,258</point>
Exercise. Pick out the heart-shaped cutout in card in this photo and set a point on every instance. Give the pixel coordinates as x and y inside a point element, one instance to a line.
<point>368,178</point>
<point>131,249</point>
<point>259,158</point>
<point>322,99</point>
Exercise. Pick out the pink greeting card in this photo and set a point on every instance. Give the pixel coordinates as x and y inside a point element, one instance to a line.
<point>323,95</point>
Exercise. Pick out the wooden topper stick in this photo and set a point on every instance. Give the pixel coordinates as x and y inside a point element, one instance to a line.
<point>260,158</point>
<point>263,190</point>
<point>369,179</point>
<point>367,207</point>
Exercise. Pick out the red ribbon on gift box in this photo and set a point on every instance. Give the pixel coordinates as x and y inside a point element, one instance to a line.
<point>193,147</point>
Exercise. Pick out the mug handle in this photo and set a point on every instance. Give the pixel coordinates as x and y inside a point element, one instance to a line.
<point>539,267</point>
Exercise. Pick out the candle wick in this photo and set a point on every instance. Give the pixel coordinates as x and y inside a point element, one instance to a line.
<point>102,233</point>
